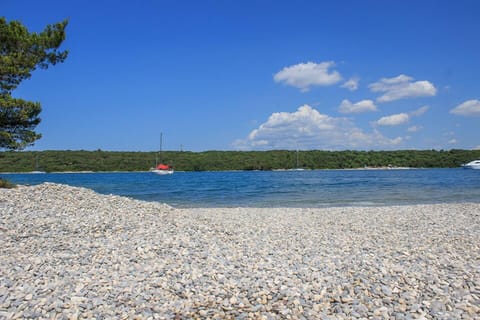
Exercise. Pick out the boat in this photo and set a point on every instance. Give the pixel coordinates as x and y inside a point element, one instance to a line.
<point>297,168</point>
<point>475,164</point>
<point>161,168</point>
<point>37,167</point>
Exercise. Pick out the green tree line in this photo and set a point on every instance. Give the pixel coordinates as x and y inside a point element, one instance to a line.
<point>61,161</point>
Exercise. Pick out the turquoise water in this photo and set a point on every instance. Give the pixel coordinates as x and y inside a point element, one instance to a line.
<point>319,188</point>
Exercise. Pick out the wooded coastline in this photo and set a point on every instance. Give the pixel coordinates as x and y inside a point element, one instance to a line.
<point>64,161</point>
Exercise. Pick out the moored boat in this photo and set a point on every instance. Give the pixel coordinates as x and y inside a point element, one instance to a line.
<point>475,164</point>
<point>162,169</point>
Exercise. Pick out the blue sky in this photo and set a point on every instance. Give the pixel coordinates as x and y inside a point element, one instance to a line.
<point>258,75</point>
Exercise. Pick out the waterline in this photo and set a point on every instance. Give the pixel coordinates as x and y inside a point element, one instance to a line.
<point>319,188</point>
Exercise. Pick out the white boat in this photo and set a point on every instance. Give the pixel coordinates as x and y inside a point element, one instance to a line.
<point>297,168</point>
<point>37,167</point>
<point>161,168</point>
<point>475,164</point>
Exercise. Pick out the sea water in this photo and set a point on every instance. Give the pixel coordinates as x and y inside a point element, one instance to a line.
<point>309,188</point>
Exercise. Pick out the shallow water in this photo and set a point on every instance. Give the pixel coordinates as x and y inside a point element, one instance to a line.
<point>318,188</point>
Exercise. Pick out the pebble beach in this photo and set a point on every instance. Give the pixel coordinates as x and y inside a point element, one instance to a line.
<point>70,253</point>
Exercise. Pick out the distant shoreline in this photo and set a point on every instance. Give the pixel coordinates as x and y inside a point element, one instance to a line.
<point>109,161</point>
<point>273,170</point>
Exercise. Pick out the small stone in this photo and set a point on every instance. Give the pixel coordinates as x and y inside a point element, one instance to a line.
<point>386,290</point>
<point>87,255</point>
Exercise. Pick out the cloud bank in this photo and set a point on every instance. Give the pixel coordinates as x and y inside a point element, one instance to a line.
<point>402,87</point>
<point>306,128</point>
<point>306,75</point>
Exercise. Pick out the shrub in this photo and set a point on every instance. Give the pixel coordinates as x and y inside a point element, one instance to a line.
<point>6,184</point>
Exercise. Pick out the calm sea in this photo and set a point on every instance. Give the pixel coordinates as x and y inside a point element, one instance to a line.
<point>319,188</point>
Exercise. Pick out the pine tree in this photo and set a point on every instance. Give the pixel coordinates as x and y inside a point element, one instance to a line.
<point>21,52</point>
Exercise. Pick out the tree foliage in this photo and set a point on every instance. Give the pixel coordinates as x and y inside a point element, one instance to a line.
<point>58,161</point>
<point>18,118</point>
<point>21,53</point>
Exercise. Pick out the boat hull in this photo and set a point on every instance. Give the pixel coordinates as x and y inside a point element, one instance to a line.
<point>162,172</point>
<point>477,167</point>
<point>472,165</point>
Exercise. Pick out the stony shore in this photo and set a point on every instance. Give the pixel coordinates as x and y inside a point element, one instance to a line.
<point>69,253</point>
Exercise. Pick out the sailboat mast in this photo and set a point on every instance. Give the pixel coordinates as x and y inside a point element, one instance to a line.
<point>161,138</point>
<point>158,157</point>
<point>160,151</point>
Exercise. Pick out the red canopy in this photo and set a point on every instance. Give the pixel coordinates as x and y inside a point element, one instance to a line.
<point>162,166</point>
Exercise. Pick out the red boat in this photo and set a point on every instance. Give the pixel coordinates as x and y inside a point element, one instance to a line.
<point>162,169</point>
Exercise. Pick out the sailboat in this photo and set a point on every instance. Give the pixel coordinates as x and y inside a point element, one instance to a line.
<point>161,168</point>
<point>297,168</point>
<point>37,168</point>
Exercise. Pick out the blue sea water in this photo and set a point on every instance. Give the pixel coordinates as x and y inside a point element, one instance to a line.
<point>319,188</point>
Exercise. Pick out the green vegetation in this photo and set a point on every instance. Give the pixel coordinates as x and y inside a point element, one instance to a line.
<point>21,52</point>
<point>6,184</point>
<point>60,161</point>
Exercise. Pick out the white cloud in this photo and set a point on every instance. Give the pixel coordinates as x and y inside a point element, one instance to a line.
<point>477,147</point>
<point>414,128</point>
<point>402,118</point>
<point>351,84</point>
<point>402,87</point>
<point>468,108</point>
<point>362,106</point>
<point>306,75</point>
<point>420,111</point>
<point>393,120</point>
<point>306,128</point>
<point>453,141</point>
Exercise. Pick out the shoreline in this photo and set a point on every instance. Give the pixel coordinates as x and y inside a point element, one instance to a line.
<point>71,252</point>
<point>272,170</point>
